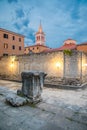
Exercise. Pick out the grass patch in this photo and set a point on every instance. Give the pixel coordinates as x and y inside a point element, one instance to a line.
<point>77,112</point>
<point>43,109</point>
<point>19,93</point>
<point>68,118</point>
<point>31,105</point>
<point>68,52</point>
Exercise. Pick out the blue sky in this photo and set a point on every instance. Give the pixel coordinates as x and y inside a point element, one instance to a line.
<point>61,19</point>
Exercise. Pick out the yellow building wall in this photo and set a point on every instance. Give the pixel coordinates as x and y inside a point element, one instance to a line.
<point>35,49</point>
<point>82,48</point>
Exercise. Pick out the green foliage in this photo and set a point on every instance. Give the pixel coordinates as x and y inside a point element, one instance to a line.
<point>31,105</point>
<point>21,94</point>
<point>70,119</point>
<point>68,52</point>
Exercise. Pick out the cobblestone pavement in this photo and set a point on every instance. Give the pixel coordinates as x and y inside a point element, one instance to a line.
<point>59,110</point>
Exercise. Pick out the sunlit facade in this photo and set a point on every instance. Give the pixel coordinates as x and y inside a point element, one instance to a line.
<point>11,43</point>
<point>40,45</point>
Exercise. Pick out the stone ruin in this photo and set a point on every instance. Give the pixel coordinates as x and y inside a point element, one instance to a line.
<point>32,86</point>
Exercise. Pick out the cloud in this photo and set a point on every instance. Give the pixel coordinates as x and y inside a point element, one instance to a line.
<point>19,13</point>
<point>12,1</point>
<point>20,19</point>
<point>28,42</point>
<point>26,22</point>
<point>17,26</point>
<point>29,35</point>
<point>59,21</point>
<point>66,23</point>
<point>22,25</point>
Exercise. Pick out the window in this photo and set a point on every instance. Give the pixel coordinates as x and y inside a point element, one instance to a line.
<point>5,45</point>
<point>13,37</point>
<point>42,38</point>
<point>33,48</point>
<point>5,36</point>
<point>19,47</point>
<point>13,47</point>
<point>37,48</point>
<point>19,39</point>
<point>5,54</point>
<point>39,37</point>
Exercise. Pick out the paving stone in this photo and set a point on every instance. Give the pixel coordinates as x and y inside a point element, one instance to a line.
<point>51,126</point>
<point>59,110</point>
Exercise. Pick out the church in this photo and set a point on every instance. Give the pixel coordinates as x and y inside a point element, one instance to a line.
<point>40,45</point>
<point>64,65</point>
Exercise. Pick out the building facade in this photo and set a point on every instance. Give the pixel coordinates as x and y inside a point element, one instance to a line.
<point>61,69</point>
<point>39,43</point>
<point>35,49</point>
<point>68,44</point>
<point>11,43</point>
<point>82,47</point>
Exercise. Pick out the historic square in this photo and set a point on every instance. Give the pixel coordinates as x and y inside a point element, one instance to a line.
<point>43,65</point>
<point>57,111</point>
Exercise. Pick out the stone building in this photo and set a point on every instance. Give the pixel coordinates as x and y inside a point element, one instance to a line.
<point>61,68</point>
<point>39,43</point>
<point>68,44</point>
<point>11,43</point>
<point>82,47</point>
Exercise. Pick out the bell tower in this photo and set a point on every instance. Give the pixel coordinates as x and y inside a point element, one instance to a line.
<point>40,36</point>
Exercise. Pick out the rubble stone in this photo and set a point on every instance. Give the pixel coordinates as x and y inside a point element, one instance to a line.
<point>15,100</point>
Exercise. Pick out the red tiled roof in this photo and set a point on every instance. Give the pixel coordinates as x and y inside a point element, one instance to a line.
<point>36,45</point>
<point>64,47</point>
<point>84,43</point>
<point>69,39</point>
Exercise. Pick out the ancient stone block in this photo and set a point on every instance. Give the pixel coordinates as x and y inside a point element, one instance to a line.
<point>32,84</point>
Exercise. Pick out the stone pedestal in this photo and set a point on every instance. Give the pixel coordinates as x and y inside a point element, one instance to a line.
<point>32,84</point>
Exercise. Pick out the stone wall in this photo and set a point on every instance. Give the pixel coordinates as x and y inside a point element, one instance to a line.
<point>72,65</point>
<point>60,68</point>
<point>72,68</point>
<point>41,62</point>
<point>9,69</point>
<point>44,62</point>
<point>84,67</point>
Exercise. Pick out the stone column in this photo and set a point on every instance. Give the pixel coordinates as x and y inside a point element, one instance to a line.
<point>32,84</point>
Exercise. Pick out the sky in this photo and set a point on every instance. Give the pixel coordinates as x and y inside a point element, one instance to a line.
<point>60,19</point>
